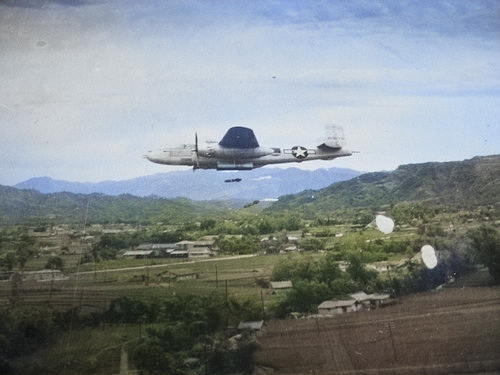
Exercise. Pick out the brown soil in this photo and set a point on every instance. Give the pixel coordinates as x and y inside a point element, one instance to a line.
<point>441,332</point>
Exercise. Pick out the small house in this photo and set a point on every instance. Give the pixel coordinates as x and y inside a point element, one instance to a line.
<point>359,301</point>
<point>363,300</point>
<point>194,249</point>
<point>43,275</point>
<point>337,307</point>
<point>281,285</point>
<point>179,254</point>
<point>138,254</point>
<point>163,249</point>
<point>378,300</point>
<point>254,326</point>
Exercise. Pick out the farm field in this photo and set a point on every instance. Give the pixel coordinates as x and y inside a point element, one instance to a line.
<point>454,330</point>
<point>94,290</point>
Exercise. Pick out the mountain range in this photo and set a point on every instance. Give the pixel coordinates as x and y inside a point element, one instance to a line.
<point>257,184</point>
<point>467,183</point>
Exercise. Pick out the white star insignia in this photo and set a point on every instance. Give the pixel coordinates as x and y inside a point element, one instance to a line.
<point>299,152</point>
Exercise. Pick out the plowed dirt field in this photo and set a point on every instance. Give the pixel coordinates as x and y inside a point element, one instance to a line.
<point>450,331</point>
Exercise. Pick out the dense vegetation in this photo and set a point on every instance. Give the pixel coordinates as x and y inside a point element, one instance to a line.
<point>319,279</point>
<point>177,329</point>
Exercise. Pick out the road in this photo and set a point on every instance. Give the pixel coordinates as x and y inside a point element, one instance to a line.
<point>127,269</point>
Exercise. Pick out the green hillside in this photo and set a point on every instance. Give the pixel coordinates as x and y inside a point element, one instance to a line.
<point>466,183</point>
<point>31,207</point>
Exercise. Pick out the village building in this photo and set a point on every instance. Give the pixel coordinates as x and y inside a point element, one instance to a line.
<point>196,249</point>
<point>170,276</point>
<point>163,249</point>
<point>43,275</point>
<point>363,301</point>
<point>179,254</point>
<point>149,250</point>
<point>378,300</point>
<point>273,245</point>
<point>182,249</point>
<point>289,249</point>
<point>281,285</point>
<point>359,301</point>
<point>184,276</point>
<point>337,307</point>
<point>139,254</point>
<point>200,253</point>
<point>254,326</point>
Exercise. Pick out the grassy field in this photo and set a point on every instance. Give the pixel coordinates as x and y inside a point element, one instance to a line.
<point>93,290</point>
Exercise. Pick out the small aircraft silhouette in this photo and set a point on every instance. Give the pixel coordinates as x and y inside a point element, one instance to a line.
<point>239,150</point>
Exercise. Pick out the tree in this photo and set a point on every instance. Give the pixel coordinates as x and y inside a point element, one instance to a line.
<point>311,244</point>
<point>243,245</point>
<point>358,271</point>
<point>8,261</point>
<point>54,262</point>
<point>25,249</point>
<point>486,243</point>
<point>150,354</point>
<point>208,224</point>
<point>266,225</point>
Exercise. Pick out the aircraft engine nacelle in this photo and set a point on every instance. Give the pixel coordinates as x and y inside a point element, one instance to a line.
<point>242,153</point>
<point>334,137</point>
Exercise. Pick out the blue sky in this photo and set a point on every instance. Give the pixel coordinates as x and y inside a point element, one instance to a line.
<point>89,86</point>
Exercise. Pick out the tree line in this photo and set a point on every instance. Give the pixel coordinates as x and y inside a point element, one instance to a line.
<point>174,329</point>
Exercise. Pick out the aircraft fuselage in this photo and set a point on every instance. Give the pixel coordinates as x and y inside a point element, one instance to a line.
<point>238,159</point>
<point>233,154</point>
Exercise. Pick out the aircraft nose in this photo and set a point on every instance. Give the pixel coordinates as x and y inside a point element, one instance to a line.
<point>150,155</point>
<point>156,156</point>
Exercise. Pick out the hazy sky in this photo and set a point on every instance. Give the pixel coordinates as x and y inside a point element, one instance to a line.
<point>88,86</point>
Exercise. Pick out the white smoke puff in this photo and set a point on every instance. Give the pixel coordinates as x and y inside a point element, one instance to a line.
<point>429,256</point>
<point>384,224</point>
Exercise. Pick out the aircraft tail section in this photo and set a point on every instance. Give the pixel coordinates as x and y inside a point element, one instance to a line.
<point>239,137</point>
<point>334,136</point>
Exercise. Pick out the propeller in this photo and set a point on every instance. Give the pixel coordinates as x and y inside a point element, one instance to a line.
<point>196,151</point>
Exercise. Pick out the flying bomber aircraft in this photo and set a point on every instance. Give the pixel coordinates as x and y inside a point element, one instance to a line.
<point>239,150</point>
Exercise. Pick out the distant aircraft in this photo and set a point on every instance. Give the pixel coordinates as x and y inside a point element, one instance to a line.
<point>239,150</point>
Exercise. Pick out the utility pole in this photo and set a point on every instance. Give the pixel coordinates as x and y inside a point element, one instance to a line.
<point>262,301</point>
<point>226,291</point>
<point>216,277</point>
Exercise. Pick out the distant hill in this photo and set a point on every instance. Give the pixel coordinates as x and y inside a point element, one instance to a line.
<point>32,207</point>
<point>204,184</point>
<point>465,183</point>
